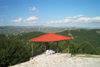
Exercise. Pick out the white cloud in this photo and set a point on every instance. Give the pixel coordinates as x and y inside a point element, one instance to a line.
<point>33,8</point>
<point>29,20</point>
<point>83,19</point>
<point>78,19</point>
<point>17,20</point>
<point>78,16</point>
<point>32,19</point>
<point>88,19</point>
<point>60,21</point>
<point>97,19</point>
<point>32,22</point>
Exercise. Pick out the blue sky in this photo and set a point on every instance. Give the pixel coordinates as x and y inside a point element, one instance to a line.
<point>64,13</point>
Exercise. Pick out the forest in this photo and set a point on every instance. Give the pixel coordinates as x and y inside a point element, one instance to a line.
<point>15,49</point>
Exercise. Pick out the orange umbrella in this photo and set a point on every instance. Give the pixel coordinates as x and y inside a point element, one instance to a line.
<point>50,37</point>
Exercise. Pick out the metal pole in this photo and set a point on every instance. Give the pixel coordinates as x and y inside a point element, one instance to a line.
<point>57,47</point>
<point>45,46</point>
<point>68,47</point>
<point>32,49</point>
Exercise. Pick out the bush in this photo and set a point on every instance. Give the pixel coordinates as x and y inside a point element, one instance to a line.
<point>12,52</point>
<point>98,50</point>
<point>73,48</point>
<point>87,48</point>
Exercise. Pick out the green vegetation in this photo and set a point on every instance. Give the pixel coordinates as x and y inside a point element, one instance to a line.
<point>12,52</point>
<point>83,35</point>
<point>16,48</point>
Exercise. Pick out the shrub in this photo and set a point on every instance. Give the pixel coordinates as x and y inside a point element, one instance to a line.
<point>12,52</point>
<point>87,48</point>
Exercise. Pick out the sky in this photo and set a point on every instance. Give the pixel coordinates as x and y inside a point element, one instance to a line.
<point>57,13</point>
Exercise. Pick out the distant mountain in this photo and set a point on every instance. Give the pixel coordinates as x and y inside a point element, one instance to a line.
<point>16,29</point>
<point>26,29</point>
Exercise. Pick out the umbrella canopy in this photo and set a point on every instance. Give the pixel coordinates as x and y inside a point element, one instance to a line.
<point>50,37</point>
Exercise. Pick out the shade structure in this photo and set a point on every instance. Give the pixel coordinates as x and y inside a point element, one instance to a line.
<point>50,37</point>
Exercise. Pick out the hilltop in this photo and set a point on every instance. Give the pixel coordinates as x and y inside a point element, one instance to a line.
<point>60,60</point>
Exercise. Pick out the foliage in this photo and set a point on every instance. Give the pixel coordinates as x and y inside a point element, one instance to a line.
<point>16,48</point>
<point>98,50</point>
<point>87,48</point>
<point>82,35</point>
<point>12,52</point>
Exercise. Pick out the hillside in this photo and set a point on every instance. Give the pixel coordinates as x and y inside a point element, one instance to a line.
<point>82,35</point>
<point>14,47</point>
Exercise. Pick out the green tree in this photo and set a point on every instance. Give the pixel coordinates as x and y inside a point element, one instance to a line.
<point>87,48</point>
<point>12,52</point>
<point>98,50</point>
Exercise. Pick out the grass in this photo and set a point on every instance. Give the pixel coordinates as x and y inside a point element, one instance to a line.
<point>87,55</point>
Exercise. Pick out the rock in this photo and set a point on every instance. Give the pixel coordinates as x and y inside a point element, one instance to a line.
<point>50,52</point>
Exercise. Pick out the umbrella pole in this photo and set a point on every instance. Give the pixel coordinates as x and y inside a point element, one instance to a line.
<point>45,46</point>
<point>32,49</point>
<point>68,47</point>
<point>57,47</point>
